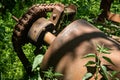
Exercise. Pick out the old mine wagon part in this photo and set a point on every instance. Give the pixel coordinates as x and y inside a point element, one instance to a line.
<point>106,14</point>
<point>31,24</point>
<point>65,54</point>
<point>67,48</point>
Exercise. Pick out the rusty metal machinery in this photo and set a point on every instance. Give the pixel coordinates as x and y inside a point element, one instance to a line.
<point>66,52</point>
<point>67,48</point>
<point>33,25</point>
<point>106,14</point>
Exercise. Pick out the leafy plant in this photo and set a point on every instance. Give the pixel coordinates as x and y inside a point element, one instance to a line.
<point>10,65</point>
<point>87,76</point>
<point>99,67</point>
<point>50,75</point>
<point>37,61</point>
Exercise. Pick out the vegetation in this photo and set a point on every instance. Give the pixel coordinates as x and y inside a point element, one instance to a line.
<point>100,68</point>
<point>10,66</point>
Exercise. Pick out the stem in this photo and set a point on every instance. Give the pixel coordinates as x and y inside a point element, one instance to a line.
<point>97,66</point>
<point>97,70</point>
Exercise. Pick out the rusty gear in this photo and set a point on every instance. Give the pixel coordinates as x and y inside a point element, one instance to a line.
<point>24,23</point>
<point>22,27</point>
<point>19,37</point>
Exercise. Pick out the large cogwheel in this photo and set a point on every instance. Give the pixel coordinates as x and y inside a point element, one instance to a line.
<point>19,37</point>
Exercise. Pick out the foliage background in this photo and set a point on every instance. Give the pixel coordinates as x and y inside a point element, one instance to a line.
<point>10,66</point>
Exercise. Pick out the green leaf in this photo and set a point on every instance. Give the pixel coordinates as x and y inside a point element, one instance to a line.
<point>105,50</point>
<point>89,55</point>
<point>108,60</point>
<point>116,79</point>
<point>1,5</point>
<point>102,49</point>
<point>113,74</point>
<point>56,74</point>
<point>90,63</point>
<point>87,76</point>
<point>49,73</point>
<point>37,61</point>
<point>104,72</point>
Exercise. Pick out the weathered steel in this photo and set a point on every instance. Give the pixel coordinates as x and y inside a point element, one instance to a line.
<point>20,32</point>
<point>57,14</point>
<point>66,52</point>
<point>49,38</point>
<point>19,37</point>
<point>38,30</point>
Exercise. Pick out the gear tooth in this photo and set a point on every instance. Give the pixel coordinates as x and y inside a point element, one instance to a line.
<point>43,5</point>
<point>17,33</point>
<point>31,12</point>
<point>25,19</point>
<point>32,7</point>
<point>19,37</point>
<point>37,5</point>
<point>28,16</point>
<point>51,4</point>
<point>20,27</point>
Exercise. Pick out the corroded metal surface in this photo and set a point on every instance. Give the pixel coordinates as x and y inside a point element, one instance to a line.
<point>20,32</point>
<point>78,39</point>
<point>66,52</point>
<point>38,30</point>
<point>19,37</point>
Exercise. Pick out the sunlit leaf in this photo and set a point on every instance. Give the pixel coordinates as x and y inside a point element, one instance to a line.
<point>104,72</point>
<point>89,55</point>
<point>102,49</point>
<point>49,73</point>
<point>105,50</point>
<point>56,74</point>
<point>108,60</point>
<point>87,76</point>
<point>90,63</point>
<point>37,61</point>
<point>112,74</point>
